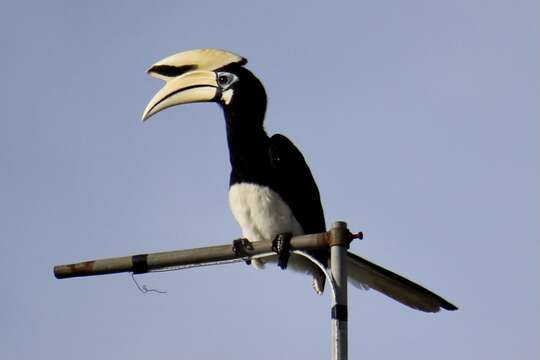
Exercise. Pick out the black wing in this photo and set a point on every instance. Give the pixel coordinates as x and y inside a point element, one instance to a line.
<point>295,184</point>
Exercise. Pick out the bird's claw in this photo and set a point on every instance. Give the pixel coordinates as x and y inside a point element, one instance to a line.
<point>239,247</point>
<point>282,246</point>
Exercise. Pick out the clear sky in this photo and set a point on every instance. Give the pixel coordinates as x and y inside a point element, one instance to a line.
<point>419,119</point>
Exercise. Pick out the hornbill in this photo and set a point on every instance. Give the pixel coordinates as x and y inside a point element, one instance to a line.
<point>271,188</point>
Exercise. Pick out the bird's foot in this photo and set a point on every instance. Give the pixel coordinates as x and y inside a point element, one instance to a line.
<point>282,246</point>
<point>239,247</point>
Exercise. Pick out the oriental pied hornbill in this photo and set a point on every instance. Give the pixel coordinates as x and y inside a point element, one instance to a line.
<point>272,191</point>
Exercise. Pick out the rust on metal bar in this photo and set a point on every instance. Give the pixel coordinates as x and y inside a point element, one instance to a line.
<point>340,235</point>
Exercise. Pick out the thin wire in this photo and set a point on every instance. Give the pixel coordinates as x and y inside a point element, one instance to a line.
<point>333,286</point>
<point>190,266</point>
<point>143,288</point>
<point>326,273</point>
<point>329,277</point>
<point>212,263</point>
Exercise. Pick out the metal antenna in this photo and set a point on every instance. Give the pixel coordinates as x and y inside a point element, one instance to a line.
<point>338,239</point>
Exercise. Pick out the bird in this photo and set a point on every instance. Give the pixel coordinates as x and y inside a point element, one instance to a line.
<point>272,191</point>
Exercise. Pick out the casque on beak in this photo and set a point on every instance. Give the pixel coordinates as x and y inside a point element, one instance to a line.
<point>190,77</point>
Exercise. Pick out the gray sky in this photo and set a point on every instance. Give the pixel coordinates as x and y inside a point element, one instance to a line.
<point>419,119</point>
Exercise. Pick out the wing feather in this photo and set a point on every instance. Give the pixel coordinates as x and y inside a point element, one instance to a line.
<point>295,183</point>
<point>367,275</point>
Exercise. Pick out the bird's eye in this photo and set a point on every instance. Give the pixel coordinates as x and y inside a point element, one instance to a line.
<point>226,79</point>
<point>223,80</point>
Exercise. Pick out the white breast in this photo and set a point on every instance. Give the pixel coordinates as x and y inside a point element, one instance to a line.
<point>261,212</point>
<point>262,215</point>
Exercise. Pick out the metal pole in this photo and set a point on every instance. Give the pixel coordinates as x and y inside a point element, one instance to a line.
<point>339,244</point>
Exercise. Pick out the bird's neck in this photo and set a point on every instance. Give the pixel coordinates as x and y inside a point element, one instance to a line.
<point>248,146</point>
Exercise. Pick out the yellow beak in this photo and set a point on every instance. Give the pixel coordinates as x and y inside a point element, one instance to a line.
<point>191,87</point>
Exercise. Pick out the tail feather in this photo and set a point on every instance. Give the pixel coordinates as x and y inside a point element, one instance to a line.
<point>367,275</point>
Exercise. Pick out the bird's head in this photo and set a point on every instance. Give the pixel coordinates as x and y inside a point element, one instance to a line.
<point>206,75</point>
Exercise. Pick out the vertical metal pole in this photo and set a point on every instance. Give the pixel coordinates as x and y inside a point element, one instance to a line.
<point>338,264</point>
